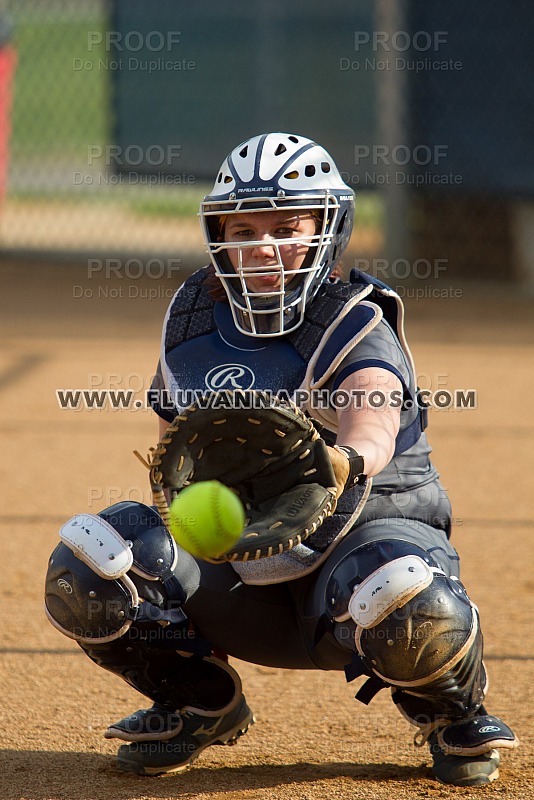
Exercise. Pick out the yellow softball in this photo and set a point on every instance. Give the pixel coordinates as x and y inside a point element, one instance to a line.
<point>206,519</point>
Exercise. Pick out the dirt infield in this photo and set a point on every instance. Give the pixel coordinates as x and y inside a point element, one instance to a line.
<point>312,740</point>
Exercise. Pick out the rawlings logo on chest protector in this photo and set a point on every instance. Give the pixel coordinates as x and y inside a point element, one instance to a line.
<point>230,376</point>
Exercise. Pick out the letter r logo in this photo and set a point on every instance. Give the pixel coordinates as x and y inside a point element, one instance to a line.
<point>230,376</point>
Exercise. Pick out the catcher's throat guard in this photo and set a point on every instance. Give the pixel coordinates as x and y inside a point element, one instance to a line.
<point>263,448</point>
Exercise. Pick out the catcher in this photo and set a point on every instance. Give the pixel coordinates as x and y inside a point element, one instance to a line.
<point>345,563</point>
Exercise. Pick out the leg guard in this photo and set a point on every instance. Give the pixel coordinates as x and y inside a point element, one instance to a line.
<point>204,687</point>
<point>111,585</point>
<point>171,679</point>
<point>417,632</point>
<point>115,586</point>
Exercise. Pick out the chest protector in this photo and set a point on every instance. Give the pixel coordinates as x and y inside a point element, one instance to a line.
<point>338,319</point>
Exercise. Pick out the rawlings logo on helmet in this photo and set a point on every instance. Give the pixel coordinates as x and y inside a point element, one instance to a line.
<point>255,189</point>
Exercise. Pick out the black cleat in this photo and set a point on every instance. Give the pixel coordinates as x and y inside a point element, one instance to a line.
<point>463,770</point>
<point>196,732</point>
<point>464,752</point>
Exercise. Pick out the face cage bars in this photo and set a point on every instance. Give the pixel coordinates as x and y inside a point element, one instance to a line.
<point>321,241</point>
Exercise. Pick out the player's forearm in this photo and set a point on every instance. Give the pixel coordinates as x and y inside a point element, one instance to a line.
<point>371,431</point>
<point>372,438</point>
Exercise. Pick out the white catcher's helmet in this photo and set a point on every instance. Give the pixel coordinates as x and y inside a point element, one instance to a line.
<point>273,172</point>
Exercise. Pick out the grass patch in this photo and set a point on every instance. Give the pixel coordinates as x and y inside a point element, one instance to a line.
<point>182,202</point>
<point>61,96</point>
<point>185,202</point>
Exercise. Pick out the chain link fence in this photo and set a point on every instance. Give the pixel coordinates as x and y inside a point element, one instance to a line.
<point>63,197</point>
<point>122,110</point>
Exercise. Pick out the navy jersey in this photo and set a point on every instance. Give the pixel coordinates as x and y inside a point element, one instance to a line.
<point>218,357</point>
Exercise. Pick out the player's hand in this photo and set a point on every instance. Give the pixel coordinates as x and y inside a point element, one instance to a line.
<point>340,463</point>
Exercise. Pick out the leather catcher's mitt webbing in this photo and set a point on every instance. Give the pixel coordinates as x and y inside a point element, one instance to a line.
<point>266,450</point>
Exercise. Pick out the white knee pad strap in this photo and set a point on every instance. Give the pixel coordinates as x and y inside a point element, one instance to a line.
<point>388,588</point>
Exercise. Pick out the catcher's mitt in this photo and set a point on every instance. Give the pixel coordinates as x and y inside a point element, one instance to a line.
<point>267,450</point>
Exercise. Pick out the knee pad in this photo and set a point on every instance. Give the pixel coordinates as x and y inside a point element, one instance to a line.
<point>112,570</point>
<point>413,623</point>
<point>415,628</point>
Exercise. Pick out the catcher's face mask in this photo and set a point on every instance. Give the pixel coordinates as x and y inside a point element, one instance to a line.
<point>287,217</point>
